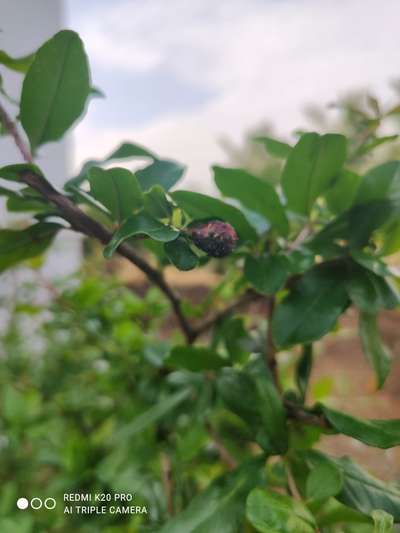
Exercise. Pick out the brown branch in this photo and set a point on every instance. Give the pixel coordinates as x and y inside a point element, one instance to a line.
<point>86,225</point>
<point>301,414</point>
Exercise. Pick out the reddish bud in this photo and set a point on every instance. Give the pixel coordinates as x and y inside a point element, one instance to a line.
<point>216,238</point>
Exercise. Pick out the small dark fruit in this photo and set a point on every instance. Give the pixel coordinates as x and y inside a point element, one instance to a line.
<point>216,238</point>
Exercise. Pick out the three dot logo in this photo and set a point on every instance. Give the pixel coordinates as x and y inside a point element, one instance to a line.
<point>36,503</point>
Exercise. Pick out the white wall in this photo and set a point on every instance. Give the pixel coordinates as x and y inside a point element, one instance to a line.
<point>25,25</point>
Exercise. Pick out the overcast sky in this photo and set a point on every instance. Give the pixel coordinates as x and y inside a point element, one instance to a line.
<point>180,74</point>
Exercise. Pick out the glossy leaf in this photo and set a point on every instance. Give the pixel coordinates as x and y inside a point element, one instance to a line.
<point>156,203</point>
<point>341,194</point>
<point>303,369</point>
<point>13,172</point>
<point>274,147</point>
<point>55,88</point>
<point>160,172</point>
<point>366,493</point>
<point>370,292</point>
<point>312,307</point>
<point>375,351</point>
<point>117,189</point>
<point>180,254</point>
<point>360,490</point>
<point>310,167</point>
<point>238,392</point>
<point>356,226</point>
<point>140,224</point>
<point>267,274</point>
<point>378,433</point>
<point>17,246</point>
<point>270,512</point>
<point>220,508</point>
<point>381,183</point>
<point>370,262</point>
<point>200,206</point>
<point>252,193</point>
<point>324,482</point>
<point>272,411</point>
<point>18,64</point>
<point>125,150</point>
<point>194,359</point>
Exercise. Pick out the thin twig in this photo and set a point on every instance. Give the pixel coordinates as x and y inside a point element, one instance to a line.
<point>12,129</point>
<point>245,299</point>
<point>82,223</point>
<point>301,414</point>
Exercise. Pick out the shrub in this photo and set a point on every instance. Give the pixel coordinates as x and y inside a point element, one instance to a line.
<point>200,427</point>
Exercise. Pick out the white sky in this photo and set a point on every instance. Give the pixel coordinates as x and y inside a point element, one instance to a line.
<point>181,74</point>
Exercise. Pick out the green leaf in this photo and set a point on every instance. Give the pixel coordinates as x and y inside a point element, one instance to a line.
<point>199,206</point>
<point>381,183</point>
<point>370,262</point>
<point>366,493</point>
<point>180,254</point>
<point>270,512</point>
<point>252,193</point>
<point>13,172</point>
<point>221,507</point>
<point>355,225</point>
<point>125,150</point>
<point>383,522</point>
<point>390,236</point>
<point>267,274</point>
<point>117,189</point>
<point>55,88</point>
<point>17,246</point>
<point>25,200</point>
<point>324,482</point>
<point>194,359</point>
<point>160,172</point>
<point>303,369</point>
<point>238,392</point>
<point>271,408</point>
<point>140,224</point>
<point>19,64</point>
<point>360,490</point>
<point>310,167</point>
<point>378,433</point>
<point>376,353</point>
<point>341,194</point>
<point>274,147</point>
<point>312,307</point>
<point>370,292</point>
<point>150,417</point>
<point>156,203</point>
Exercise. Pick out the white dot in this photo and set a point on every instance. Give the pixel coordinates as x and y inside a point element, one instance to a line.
<point>22,503</point>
